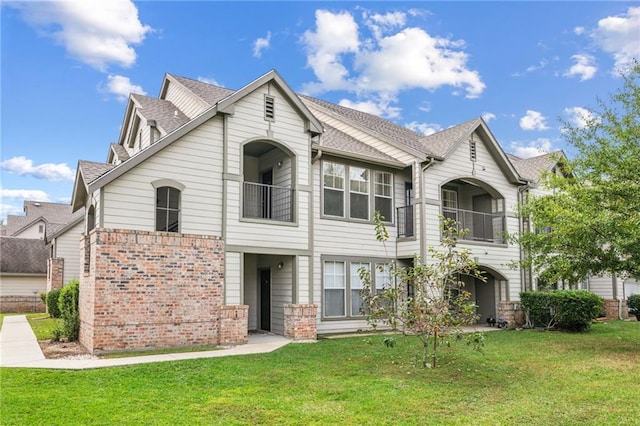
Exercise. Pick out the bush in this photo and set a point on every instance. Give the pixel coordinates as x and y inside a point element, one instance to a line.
<point>571,310</point>
<point>52,303</point>
<point>68,305</point>
<point>633,303</point>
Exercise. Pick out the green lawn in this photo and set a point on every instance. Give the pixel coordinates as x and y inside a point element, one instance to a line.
<point>43,325</point>
<point>522,378</point>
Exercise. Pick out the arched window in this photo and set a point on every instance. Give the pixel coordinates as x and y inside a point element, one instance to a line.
<point>167,209</point>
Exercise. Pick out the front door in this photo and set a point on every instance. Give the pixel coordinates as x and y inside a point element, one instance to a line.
<point>265,299</point>
<point>486,299</point>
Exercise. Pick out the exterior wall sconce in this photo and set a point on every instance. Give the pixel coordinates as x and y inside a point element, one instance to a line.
<point>280,265</point>
<point>279,164</point>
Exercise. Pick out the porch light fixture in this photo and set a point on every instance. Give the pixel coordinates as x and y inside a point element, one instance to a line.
<point>280,265</point>
<point>279,164</point>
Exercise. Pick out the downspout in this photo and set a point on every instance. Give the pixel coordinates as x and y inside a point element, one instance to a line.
<point>423,222</point>
<point>614,283</point>
<point>523,272</point>
<point>319,153</point>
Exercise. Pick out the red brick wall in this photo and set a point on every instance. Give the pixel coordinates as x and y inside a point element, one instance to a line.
<point>55,273</point>
<point>151,289</point>
<point>300,321</point>
<point>611,309</point>
<point>234,324</point>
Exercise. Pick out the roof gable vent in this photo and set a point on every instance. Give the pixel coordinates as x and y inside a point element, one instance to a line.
<point>473,152</point>
<point>269,108</point>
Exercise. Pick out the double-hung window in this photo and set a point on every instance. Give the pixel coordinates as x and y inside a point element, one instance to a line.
<point>334,289</point>
<point>355,285</point>
<point>450,204</point>
<point>353,199</point>
<point>333,183</point>
<point>359,193</point>
<point>382,193</point>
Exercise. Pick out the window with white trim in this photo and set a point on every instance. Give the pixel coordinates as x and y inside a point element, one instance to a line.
<point>383,194</point>
<point>355,198</point>
<point>356,285</point>
<point>359,193</point>
<point>333,182</point>
<point>334,289</point>
<point>167,209</point>
<point>450,204</point>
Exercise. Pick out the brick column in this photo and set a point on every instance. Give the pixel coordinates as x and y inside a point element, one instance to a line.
<point>55,273</point>
<point>234,324</point>
<point>511,312</point>
<point>300,321</point>
<point>611,309</point>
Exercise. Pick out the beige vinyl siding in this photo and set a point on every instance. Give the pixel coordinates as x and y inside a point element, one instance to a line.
<point>302,279</point>
<point>186,101</point>
<point>194,161</point>
<point>248,124</point>
<point>22,285</point>
<point>602,285</point>
<point>281,287</point>
<point>459,165</point>
<point>232,278</point>
<point>67,246</point>
<point>250,290</point>
<point>33,231</point>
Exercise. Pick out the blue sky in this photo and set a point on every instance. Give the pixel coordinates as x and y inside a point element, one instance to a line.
<point>68,67</point>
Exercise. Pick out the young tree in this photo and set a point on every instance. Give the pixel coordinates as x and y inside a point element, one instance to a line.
<point>428,300</point>
<point>592,213</point>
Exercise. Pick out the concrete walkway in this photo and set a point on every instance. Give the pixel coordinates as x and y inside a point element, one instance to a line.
<point>19,349</point>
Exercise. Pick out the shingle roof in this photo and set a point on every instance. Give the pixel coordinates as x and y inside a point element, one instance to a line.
<point>92,170</point>
<point>334,138</point>
<point>441,143</point>
<point>23,255</point>
<point>51,213</point>
<point>168,117</point>
<point>388,129</point>
<point>209,93</point>
<point>533,168</point>
<point>54,229</point>
<point>119,150</point>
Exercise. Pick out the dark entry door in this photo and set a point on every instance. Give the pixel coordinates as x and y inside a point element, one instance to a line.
<point>266,179</point>
<point>486,299</point>
<point>265,299</point>
<point>408,211</point>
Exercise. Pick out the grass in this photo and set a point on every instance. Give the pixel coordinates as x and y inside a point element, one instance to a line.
<point>43,325</point>
<point>527,377</point>
<point>160,351</point>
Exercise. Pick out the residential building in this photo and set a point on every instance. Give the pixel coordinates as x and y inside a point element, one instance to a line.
<point>223,211</point>
<point>23,274</point>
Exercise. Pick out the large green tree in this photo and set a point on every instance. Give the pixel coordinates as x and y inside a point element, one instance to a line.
<point>592,214</point>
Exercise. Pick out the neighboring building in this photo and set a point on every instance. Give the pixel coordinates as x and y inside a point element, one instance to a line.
<point>23,274</point>
<point>63,241</point>
<point>610,288</point>
<point>222,211</point>
<point>37,219</point>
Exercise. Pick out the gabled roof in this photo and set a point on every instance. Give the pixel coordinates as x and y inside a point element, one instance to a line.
<point>534,168</point>
<point>38,211</point>
<point>91,176</point>
<point>59,229</point>
<point>87,172</point>
<point>119,151</point>
<point>167,116</point>
<point>336,142</point>
<point>442,143</point>
<point>209,93</point>
<point>23,256</point>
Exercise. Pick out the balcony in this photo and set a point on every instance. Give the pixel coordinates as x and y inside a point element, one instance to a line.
<point>404,219</point>
<point>269,202</point>
<point>483,227</point>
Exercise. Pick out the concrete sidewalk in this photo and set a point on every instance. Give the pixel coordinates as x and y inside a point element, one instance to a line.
<point>19,349</point>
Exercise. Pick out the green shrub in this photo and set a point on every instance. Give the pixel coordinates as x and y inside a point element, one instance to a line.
<point>52,303</point>
<point>68,305</point>
<point>633,303</point>
<point>571,310</point>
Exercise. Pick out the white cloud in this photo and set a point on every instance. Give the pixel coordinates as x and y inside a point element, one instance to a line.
<point>7,209</point>
<point>579,30</point>
<point>583,67</point>
<point>336,34</point>
<point>381,108</point>
<point>533,120</point>
<point>24,167</point>
<point>24,194</point>
<point>424,128</point>
<point>381,24</point>
<point>96,32</point>
<point>619,35</point>
<point>488,116</point>
<point>531,148</point>
<point>260,44</point>
<point>209,81</point>
<point>408,58</point>
<point>121,87</point>
<point>578,116</point>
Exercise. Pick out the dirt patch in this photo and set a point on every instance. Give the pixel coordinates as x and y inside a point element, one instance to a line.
<point>64,350</point>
